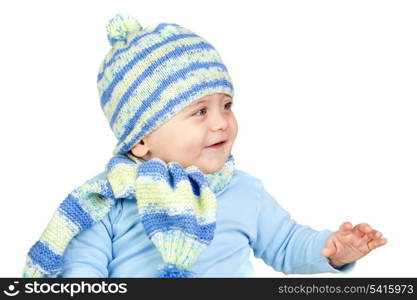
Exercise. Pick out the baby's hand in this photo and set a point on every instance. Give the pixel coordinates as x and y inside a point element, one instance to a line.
<point>349,244</point>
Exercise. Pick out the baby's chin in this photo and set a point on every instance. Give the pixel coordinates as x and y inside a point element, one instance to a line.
<point>213,167</point>
<point>211,170</point>
<point>213,164</point>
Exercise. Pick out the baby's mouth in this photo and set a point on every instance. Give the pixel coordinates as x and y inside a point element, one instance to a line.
<point>217,145</point>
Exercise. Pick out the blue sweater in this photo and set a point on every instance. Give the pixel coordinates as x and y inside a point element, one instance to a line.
<point>248,218</point>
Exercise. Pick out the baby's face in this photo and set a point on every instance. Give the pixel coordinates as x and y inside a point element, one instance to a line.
<point>187,138</point>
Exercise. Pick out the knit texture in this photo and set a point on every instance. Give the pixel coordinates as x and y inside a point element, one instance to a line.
<point>152,73</point>
<point>177,207</point>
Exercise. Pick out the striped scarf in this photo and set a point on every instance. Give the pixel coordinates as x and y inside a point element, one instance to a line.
<point>177,207</point>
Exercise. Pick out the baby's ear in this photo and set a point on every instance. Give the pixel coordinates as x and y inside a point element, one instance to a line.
<point>140,149</point>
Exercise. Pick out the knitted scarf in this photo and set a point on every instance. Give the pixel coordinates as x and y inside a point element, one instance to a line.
<point>177,208</point>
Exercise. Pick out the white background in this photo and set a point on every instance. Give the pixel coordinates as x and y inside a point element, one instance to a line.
<point>325,97</point>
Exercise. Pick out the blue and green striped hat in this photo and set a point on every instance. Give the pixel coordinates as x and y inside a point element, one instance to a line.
<point>151,74</point>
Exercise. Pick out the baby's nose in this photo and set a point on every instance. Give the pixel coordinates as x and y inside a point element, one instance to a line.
<point>219,121</point>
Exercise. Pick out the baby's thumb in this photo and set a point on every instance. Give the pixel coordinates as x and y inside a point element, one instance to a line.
<point>327,252</point>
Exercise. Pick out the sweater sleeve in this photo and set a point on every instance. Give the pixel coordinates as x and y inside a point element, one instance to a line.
<point>89,253</point>
<point>289,247</point>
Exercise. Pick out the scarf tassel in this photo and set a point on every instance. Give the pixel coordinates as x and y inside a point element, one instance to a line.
<point>173,271</point>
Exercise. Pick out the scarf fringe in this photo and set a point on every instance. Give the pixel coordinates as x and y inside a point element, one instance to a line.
<point>173,271</point>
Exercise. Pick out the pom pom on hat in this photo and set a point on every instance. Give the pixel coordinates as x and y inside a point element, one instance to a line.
<point>120,26</point>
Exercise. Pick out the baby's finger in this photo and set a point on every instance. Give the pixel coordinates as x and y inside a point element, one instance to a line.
<point>345,228</point>
<point>365,227</point>
<point>328,251</point>
<point>371,235</point>
<point>362,229</point>
<point>366,238</point>
<point>357,231</point>
<point>376,234</point>
<point>377,243</point>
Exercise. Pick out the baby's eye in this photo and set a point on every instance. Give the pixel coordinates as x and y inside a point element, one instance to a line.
<point>203,109</point>
<point>229,104</point>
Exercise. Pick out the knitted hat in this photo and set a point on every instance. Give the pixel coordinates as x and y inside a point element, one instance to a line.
<point>150,74</point>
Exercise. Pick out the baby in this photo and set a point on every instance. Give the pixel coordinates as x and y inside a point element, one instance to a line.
<point>171,202</point>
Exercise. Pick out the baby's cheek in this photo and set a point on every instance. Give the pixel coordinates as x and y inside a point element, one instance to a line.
<point>235,128</point>
<point>192,145</point>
